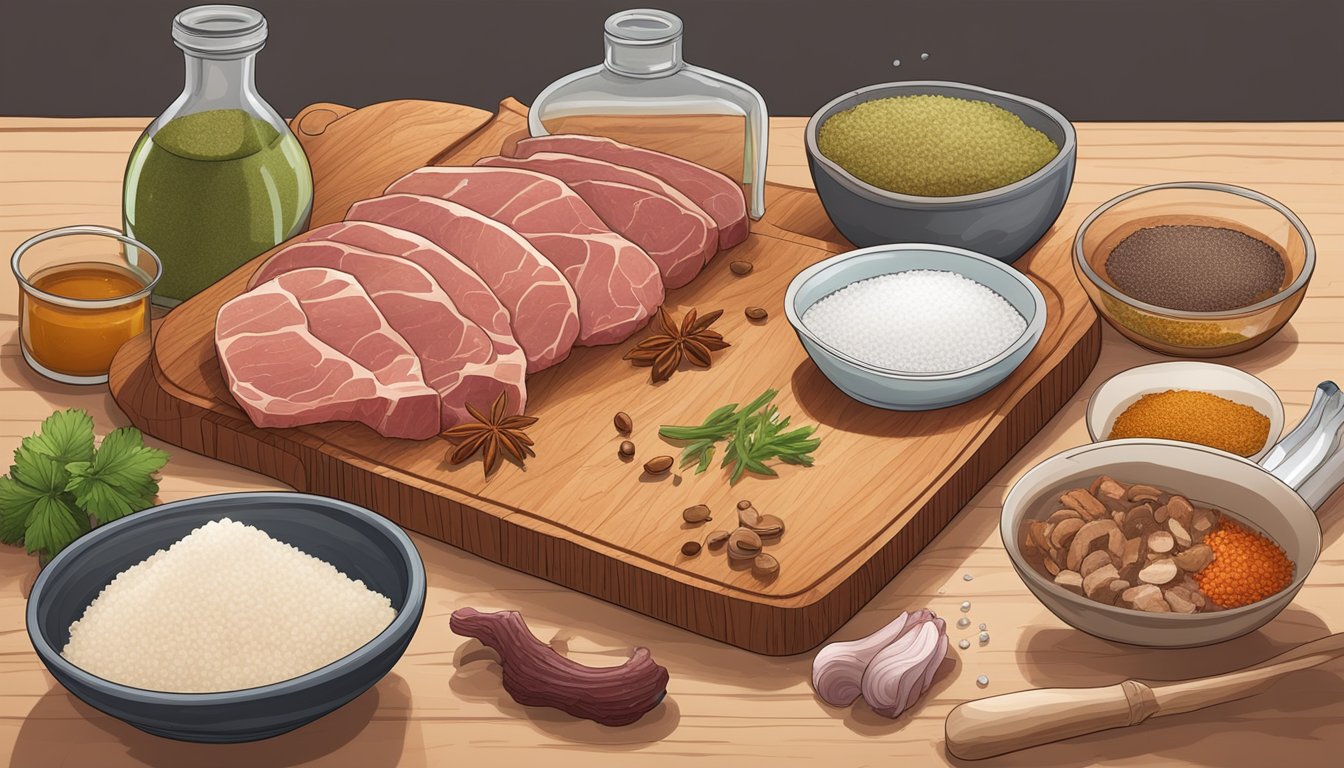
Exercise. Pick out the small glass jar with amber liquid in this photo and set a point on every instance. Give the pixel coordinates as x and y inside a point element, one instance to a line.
<point>83,292</point>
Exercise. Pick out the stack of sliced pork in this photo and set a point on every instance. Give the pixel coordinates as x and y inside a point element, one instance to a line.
<point>459,281</point>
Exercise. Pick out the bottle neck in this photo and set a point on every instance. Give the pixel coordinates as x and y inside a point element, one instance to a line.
<point>644,59</point>
<point>223,82</point>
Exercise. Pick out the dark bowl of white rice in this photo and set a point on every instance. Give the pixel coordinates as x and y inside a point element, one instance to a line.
<point>363,547</point>
<point>915,326</point>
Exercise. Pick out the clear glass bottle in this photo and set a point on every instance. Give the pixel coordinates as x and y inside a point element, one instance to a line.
<point>218,178</point>
<point>644,93</point>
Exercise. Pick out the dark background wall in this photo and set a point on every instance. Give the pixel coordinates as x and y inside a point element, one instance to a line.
<point>1091,59</point>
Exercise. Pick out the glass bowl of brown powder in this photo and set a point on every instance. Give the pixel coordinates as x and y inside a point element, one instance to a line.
<point>1195,269</point>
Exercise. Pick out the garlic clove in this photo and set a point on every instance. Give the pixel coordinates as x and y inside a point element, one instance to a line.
<point>838,668</point>
<point>900,674</point>
<point>922,676</point>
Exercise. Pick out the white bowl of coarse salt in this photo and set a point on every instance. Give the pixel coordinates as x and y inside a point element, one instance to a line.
<point>915,326</point>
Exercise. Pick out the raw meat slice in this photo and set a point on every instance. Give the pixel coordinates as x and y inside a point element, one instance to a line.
<point>342,314</point>
<point>473,297</point>
<point>616,283</point>
<point>456,356</point>
<point>543,310</point>
<point>679,237</point>
<point>281,371</point>
<point>718,195</point>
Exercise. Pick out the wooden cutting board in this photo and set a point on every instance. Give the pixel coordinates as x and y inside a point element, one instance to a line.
<point>884,483</point>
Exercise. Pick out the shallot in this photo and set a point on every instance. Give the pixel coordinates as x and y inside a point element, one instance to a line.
<point>900,674</point>
<point>837,671</point>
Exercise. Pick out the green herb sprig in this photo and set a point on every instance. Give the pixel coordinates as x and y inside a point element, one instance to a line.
<point>59,485</point>
<point>755,434</point>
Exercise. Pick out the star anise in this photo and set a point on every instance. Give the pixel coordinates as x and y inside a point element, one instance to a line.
<point>491,435</point>
<point>669,343</point>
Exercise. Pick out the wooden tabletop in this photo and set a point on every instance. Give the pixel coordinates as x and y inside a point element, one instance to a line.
<point>444,701</point>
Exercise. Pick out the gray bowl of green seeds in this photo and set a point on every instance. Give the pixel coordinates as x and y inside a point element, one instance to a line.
<point>941,162</point>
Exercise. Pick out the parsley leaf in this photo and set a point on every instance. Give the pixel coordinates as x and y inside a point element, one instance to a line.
<point>58,481</point>
<point>66,436</point>
<point>53,524</point>
<point>119,480</point>
<point>36,488</point>
<point>38,471</point>
<point>16,503</point>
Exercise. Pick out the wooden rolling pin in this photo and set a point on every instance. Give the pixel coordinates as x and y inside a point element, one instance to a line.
<point>1013,721</point>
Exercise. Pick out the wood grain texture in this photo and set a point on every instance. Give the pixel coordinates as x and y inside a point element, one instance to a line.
<point>443,704</point>
<point>883,485</point>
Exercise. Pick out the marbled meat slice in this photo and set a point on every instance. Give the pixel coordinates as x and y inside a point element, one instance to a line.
<point>718,195</point>
<point>543,310</point>
<point>676,234</point>
<point>616,282</point>
<point>473,297</point>
<point>276,351</point>
<point>455,354</point>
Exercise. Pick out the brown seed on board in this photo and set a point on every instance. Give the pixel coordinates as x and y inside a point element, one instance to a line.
<point>744,544</point>
<point>765,565</point>
<point>717,539</point>
<point>748,516</point>
<point>697,514</point>
<point>769,527</point>
<point>690,548</point>
<point>744,504</point>
<point>658,465</point>
<point>627,449</point>
<point>741,267</point>
<point>623,422</point>
<point>756,313</point>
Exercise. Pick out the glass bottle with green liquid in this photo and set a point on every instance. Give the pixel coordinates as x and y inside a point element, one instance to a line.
<point>218,178</point>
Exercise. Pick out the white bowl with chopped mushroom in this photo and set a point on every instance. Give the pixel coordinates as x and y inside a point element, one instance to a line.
<point>1147,509</point>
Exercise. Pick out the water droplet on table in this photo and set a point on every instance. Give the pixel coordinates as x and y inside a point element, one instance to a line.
<point>984,638</point>
<point>982,681</point>
<point>983,627</point>
<point>923,57</point>
<point>964,644</point>
<point>966,606</point>
<point>963,623</point>
<point>895,62</point>
<point>966,577</point>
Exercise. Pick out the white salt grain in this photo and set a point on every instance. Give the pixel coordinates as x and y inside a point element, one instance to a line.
<point>227,607</point>
<point>920,321</point>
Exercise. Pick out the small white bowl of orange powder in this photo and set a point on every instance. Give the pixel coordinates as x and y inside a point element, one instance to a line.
<point>1208,404</point>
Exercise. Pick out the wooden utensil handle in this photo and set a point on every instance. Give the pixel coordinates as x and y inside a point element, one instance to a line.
<point>1013,721</point>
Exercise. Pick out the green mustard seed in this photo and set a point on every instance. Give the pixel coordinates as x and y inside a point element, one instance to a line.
<point>934,146</point>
